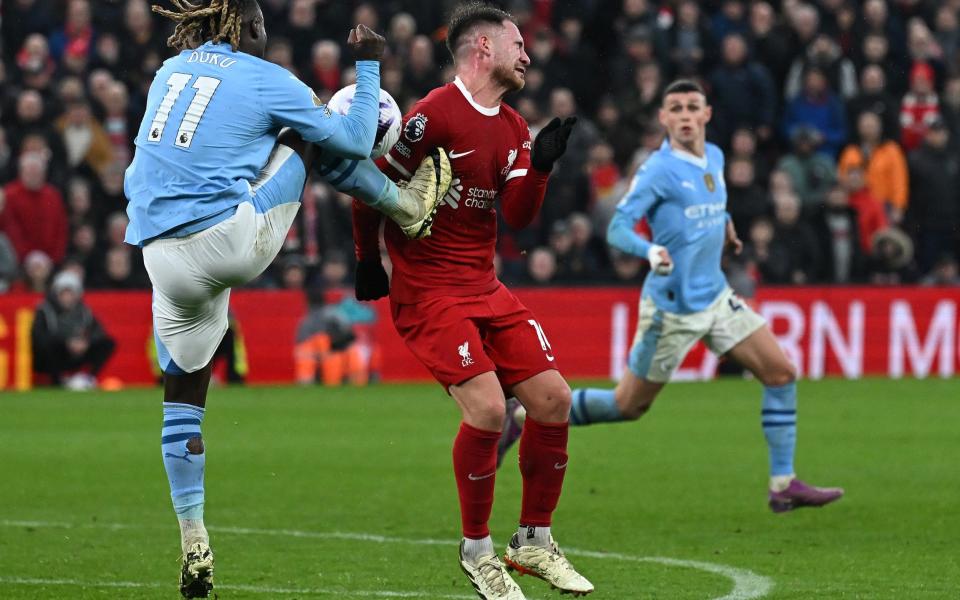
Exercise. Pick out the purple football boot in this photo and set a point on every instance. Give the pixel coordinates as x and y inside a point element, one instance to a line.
<point>799,494</point>
<point>512,428</point>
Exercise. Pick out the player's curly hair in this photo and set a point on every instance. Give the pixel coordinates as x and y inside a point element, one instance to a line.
<point>216,21</point>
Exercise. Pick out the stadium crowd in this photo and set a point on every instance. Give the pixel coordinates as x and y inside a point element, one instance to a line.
<point>840,121</point>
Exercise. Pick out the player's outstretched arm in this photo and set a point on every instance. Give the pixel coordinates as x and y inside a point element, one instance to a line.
<point>290,103</point>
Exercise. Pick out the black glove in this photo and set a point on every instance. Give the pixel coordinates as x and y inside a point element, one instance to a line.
<point>371,281</point>
<point>551,143</point>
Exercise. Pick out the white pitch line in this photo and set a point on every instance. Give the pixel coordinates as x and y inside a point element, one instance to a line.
<point>240,588</point>
<point>747,585</point>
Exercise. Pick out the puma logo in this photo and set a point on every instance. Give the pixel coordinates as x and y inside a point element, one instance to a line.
<point>184,457</point>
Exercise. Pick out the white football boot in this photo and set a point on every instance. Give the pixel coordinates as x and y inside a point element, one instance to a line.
<point>490,579</point>
<point>549,564</point>
<point>420,197</point>
<point>196,575</point>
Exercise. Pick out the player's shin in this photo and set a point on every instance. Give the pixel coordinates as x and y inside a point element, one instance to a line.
<point>184,459</point>
<point>594,406</point>
<point>475,467</point>
<point>780,429</point>
<point>358,178</point>
<point>543,464</point>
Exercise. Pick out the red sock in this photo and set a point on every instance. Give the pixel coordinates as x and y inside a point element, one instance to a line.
<point>475,467</point>
<point>543,463</point>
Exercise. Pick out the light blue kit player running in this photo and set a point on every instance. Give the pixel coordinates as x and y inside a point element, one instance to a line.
<point>681,191</point>
<point>221,161</point>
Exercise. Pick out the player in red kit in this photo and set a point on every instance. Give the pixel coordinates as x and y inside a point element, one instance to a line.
<point>475,337</point>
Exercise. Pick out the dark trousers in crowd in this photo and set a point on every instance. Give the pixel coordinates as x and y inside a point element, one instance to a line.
<point>54,364</point>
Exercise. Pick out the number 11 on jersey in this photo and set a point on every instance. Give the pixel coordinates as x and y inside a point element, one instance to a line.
<point>205,87</point>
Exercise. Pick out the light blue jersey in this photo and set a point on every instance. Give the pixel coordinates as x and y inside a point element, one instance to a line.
<point>212,119</point>
<point>684,198</point>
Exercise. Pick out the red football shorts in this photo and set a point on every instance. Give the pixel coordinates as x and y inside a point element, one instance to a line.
<point>460,337</point>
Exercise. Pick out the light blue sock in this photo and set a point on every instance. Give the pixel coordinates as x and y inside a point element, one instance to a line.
<point>780,426</point>
<point>594,406</point>
<point>361,179</point>
<point>181,424</point>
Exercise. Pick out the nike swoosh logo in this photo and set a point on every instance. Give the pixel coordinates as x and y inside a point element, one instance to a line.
<point>454,155</point>
<point>473,477</point>
<point>558,466</point>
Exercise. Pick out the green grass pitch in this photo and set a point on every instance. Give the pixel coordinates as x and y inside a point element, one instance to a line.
<point>349,493</point>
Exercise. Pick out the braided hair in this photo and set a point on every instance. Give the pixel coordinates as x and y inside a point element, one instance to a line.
<point>215,20</point>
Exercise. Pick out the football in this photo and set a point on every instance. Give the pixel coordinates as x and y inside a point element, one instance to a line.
<point>388,127</point>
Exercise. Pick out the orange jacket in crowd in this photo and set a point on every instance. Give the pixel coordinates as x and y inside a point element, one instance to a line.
<point>885,172</point>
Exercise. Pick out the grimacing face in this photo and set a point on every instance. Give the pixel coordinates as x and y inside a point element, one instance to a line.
<point>510,57</point>
<point>685,115</point>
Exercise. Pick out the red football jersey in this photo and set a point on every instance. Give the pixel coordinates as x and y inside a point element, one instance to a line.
<point>489,150</point>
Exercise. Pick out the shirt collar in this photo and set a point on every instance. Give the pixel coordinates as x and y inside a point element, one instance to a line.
<point>697,161</point>
<point>483,110</point>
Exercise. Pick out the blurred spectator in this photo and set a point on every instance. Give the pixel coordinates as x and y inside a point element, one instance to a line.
<point>325,67</point>
<point>824,54</point>
<point>84,138</point>
<point>770,42</point>
<point>587,253</point>
<point>945,272</point>
<point>947,27</point>
<point>891,258</point>
<point>795,247</point>
<point>9,265</point>
<point>603,171</point>
<point>919,107</point>
<point>621,135</point>
<point>817,107</point>
<point>117,270</point>
<point>935,195</point>
<point>837,231</point>
<point>21,18</point>
<point>627,269</point>
<point>37,269</point>
<point>950,107</point>
<point>325,349</point>
<point>811,173</point>
<point>34,217</point>
<point>541,267</point>
<point>34,64</point>
<point>874,97</point>
<point>883,162</point>
<point>6,157</point>
<point>804,22</point>
<point>875,50</point>
<point>120,122</point>
<point>742,93</point>
<point>743,145</point>
<point>746,201</point>
<point>231,354</point>
<point>689,39</point>
<point>421,74</point>
<point>730,19</point>
<point>638,50</point>
<point>641,101</point>
<point>871,215</point>
<point>77,37</point>
<point>580,61</point>
<point>70,346</point>
<point>876,20</point>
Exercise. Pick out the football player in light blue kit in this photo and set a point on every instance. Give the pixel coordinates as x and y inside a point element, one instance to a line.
<point>681,191</point>
<point>213,188</point>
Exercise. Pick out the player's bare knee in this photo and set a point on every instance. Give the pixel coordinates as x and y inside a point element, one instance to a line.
<point>489,414</point>
<point>195,445</point>
<point>780,375</point>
